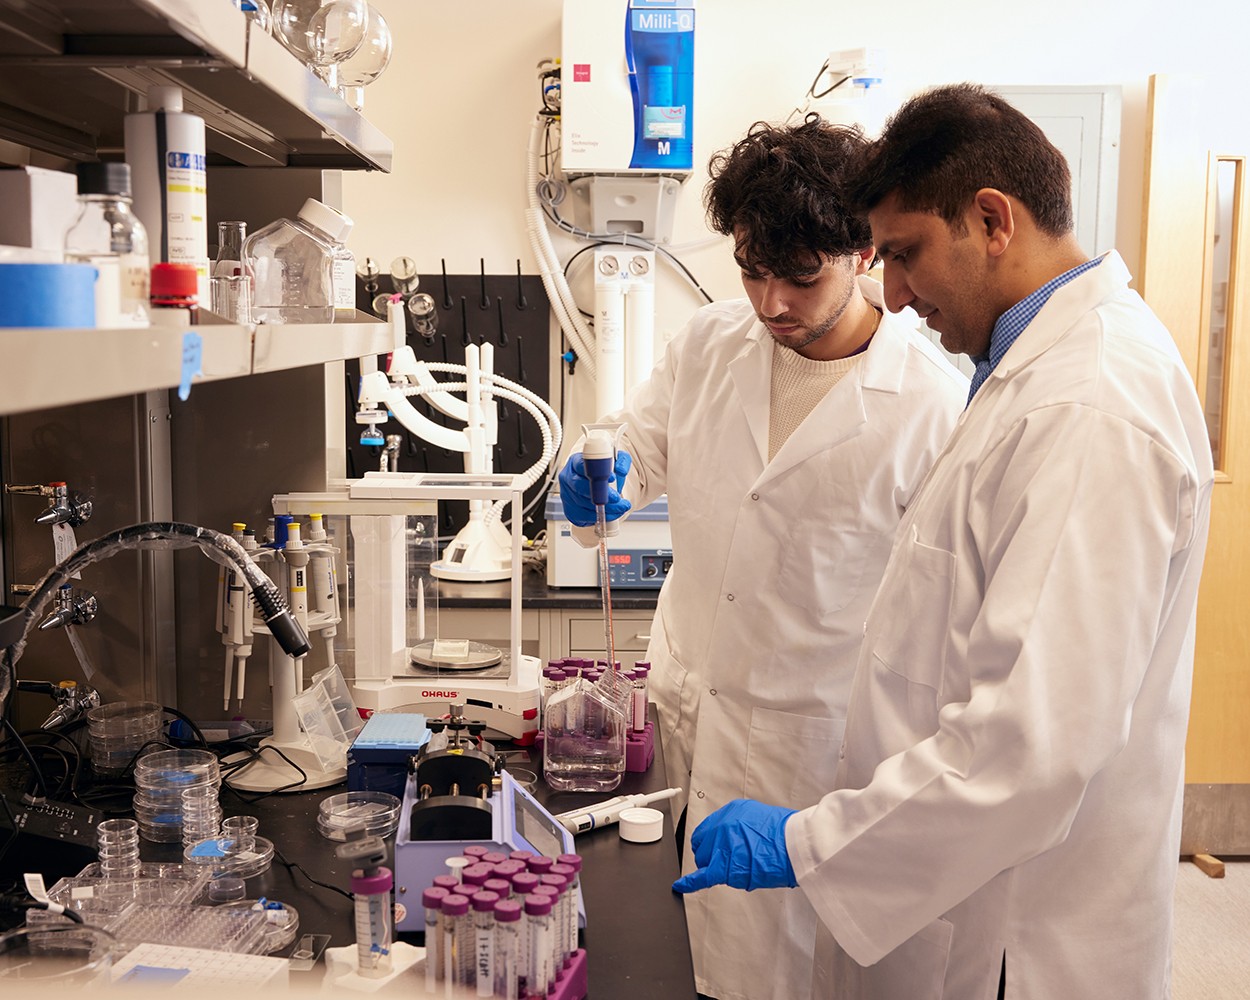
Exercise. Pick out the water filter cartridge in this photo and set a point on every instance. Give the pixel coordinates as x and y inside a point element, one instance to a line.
<point>166,152</point>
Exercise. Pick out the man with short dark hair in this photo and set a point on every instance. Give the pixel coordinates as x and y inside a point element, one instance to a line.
<point>1008,805</point>
<point>790,430</point>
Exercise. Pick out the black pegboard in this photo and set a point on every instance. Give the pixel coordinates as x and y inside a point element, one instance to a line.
<point>511,312</point>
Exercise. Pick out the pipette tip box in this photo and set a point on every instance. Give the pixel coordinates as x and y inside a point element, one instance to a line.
<point>378,758</point>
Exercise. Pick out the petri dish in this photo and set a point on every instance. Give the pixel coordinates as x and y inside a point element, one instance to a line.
<point>281,921</point>
<point>378,811</point>
<point>218,855</point>
<point>56,955</point>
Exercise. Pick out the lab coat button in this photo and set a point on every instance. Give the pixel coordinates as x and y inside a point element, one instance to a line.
<point>755,496</point>
<point>842,752</point>
<point>712,691</point>
<point>730,597</point>
<point>699,794</point>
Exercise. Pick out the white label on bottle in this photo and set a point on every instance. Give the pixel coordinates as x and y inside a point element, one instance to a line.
<point>135,280</point>
<point>344,272</point>
<point>186,206</point>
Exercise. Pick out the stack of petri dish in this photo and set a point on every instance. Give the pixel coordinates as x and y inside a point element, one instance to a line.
<point>377,812</point>
<point>118,730</point>
<point>118,841</point>
<point>201,813</point>
<point>160,780</point>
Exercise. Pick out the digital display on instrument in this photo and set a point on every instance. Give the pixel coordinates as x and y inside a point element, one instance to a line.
<point>537,830</point>
<point>623,559</point>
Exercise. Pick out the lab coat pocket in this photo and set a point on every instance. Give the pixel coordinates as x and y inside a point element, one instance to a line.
<point>822,569</point>
<point>909,627</point>
<point>676,699</point>
<point>791,759</point>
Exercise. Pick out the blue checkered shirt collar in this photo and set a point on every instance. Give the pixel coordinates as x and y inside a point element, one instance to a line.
<point>1015,320</point>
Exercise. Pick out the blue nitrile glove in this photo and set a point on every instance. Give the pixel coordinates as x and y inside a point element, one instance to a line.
<point>575,490</point>
<point>742,844</point>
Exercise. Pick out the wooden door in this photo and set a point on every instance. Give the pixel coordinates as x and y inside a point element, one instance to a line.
<point>1195,274</point>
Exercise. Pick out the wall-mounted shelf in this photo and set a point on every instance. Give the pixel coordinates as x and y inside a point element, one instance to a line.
<point>70,70</point>
<point>54,367</point>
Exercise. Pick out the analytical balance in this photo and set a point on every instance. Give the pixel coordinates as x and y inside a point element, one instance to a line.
<point>387,524</point>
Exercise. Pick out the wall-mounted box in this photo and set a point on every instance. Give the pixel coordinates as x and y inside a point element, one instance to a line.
<point>627,86</point>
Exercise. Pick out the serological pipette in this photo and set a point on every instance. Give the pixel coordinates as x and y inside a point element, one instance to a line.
<point>599,459</point>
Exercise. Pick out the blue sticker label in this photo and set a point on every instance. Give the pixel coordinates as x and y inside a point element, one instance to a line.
<point>186,161</point>
<point>192,362</point>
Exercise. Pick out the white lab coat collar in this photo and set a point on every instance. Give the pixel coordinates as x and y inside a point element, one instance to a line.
<point>1064,307</point>
<point>841,413</point>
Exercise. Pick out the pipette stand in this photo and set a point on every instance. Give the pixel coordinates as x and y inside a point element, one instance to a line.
<point>269,771</point>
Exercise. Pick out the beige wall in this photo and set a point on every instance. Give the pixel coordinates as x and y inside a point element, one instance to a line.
<point>461,92</point>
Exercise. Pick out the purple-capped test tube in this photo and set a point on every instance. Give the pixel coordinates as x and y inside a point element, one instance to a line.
<point>524,882</point>
<point>541,970</point>
<point>508,868</point>
<point>539,864</point>
<point>457,928</point>
<point>432,900</point>
<point>571,870</point>
<point>476,875</point>
<point>560,927</point>
<point>483,904</point>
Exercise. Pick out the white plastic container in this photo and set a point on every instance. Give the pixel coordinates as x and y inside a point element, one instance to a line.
<point>293,264</point>
<point>166,152</point>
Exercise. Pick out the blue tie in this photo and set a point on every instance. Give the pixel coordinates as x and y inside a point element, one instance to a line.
<point>979,376</point>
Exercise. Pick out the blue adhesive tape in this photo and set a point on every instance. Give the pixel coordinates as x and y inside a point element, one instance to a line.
<point>47,295</point>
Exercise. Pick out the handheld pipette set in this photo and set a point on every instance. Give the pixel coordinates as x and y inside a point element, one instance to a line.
<point>609,811</point>
<point>297,566</point>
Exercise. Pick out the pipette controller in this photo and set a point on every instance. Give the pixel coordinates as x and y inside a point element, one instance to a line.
<point>608,812</point>
<point>599,458</point>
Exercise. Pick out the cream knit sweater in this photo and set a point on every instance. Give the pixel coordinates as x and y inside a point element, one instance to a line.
<point>798,384</point>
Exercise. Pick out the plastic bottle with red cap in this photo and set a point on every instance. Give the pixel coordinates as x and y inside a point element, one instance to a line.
<point>175,295</point>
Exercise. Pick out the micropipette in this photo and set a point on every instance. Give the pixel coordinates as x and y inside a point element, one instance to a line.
<point>608,812</point>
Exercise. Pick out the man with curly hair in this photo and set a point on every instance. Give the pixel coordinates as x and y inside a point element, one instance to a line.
<point>790,429</point>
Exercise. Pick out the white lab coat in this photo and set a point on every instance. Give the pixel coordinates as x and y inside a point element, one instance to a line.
<point>759,623</point>
<point>1012,772</point>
